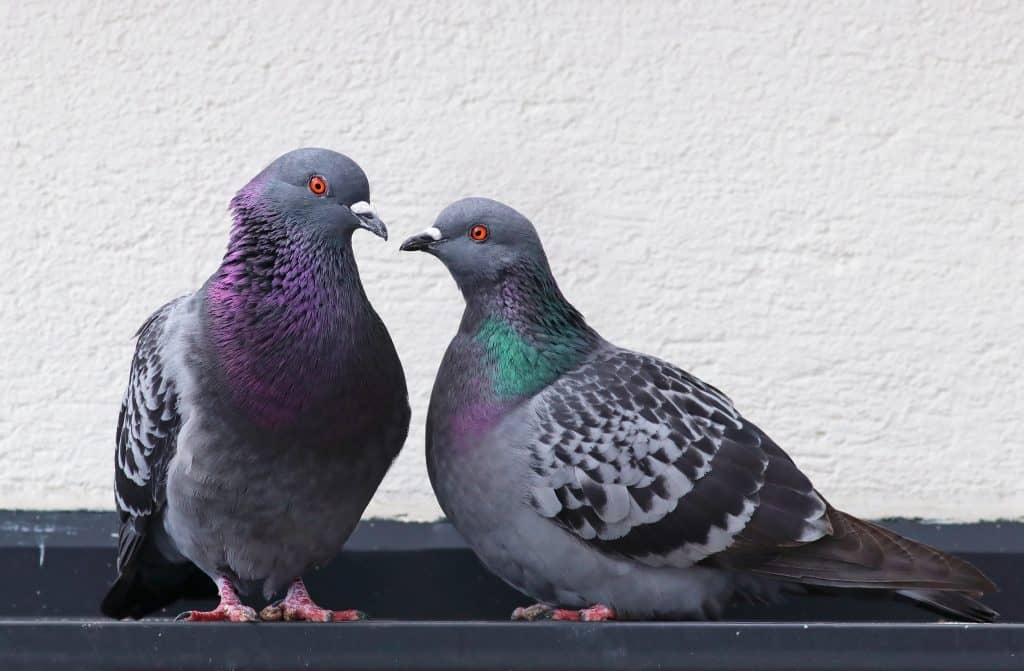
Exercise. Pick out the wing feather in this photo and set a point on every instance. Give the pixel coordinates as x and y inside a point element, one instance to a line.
<point>147,430</point>
<point>644,460</point>
<point>640,459</point>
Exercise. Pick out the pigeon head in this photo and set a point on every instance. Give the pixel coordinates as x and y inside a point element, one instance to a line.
<point>286,306</point>
<point>482,241</point>
<point>310,191</point>
<point>526,332</point>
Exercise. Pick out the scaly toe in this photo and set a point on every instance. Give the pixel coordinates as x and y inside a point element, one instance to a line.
<point>306,613</point>
<point>242,614</point>
<point>537,611</point>
<point>562,615</point>
<point>309,614</point>
<point>272,613</point>
<point>348,616</point>
<point>597,613</point>
<point>220,614</point>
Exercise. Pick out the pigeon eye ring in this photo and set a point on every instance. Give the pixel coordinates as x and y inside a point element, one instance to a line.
<point>479,233</point>
<point>318,185</point>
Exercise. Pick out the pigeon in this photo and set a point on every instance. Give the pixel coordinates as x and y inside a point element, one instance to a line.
<point>263,410</point>
<point>605,483</point>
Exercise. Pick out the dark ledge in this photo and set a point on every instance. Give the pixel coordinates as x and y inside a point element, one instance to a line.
<point>439,609</point>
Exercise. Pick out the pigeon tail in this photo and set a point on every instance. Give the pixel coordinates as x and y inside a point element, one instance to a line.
<point>960,605</point>
<point>135,594</point>
<point>862,555</point>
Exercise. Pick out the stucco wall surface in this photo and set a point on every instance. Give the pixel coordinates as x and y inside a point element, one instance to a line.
<point>816,206</point>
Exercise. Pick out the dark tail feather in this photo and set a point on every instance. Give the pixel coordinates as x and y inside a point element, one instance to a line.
<point>115,603</point>
<point>958,604</point>
<point>139,593</point>
<point>146,580</point>
<point>861,555</point>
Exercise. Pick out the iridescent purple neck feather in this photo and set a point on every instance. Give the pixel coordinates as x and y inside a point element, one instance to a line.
<point>287,313</point>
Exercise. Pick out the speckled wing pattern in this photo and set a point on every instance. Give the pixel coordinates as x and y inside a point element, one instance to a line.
<point>641,459</point>
<point>147,431</point>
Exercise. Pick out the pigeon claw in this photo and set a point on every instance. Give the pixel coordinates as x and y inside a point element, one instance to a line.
<point>222,613</point>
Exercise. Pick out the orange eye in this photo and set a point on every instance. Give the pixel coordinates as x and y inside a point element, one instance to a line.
<point>318,185</point>
<point>479,233</point>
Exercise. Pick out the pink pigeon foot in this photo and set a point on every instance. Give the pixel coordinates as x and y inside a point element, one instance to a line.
<point>297,605</point>
<point>230,608</point>
<point>539,611</point>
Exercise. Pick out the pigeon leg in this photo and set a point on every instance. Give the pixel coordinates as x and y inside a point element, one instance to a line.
<point>230,608</point>
<point>297,605</point>
<point>540,611</point>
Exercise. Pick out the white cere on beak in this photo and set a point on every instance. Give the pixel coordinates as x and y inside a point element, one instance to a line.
<point>363,208</point>
<point>433,232</point>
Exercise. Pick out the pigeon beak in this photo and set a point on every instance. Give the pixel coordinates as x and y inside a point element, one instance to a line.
<point>421,241</point>
<point>367,217</point>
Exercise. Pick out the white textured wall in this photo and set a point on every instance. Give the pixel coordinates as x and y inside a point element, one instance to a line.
<point>817,208</point>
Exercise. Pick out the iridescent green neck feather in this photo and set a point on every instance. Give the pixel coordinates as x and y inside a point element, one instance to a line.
<point>531,335</point>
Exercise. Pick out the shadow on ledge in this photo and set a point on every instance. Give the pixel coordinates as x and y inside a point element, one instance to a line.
<point>59,564</point>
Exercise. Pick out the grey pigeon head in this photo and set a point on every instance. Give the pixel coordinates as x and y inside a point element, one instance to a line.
<point>480,241</point>
<point>312,191</point>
